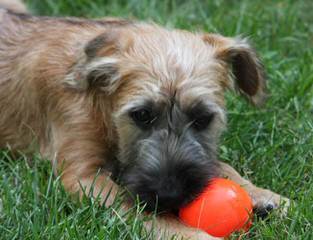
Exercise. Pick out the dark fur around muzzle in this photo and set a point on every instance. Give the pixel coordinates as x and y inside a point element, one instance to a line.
<point>168,170</point>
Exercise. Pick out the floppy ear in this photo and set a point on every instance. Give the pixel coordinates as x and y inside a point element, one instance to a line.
<point>98,65</point>
<point>246,68</point>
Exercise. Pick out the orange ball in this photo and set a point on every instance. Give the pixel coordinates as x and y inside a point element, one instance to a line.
<point>223,208</point>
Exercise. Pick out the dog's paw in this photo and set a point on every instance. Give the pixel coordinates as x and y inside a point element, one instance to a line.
<point>265,201</point>
<point>195,234</point>
<point>191,234</point>
<point>204,236</point>
<point>169,227</point>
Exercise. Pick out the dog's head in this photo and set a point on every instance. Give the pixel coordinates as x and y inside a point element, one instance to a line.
<point>166,89</point>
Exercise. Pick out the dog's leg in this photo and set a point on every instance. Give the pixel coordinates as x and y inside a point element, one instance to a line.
<point>263,200</point>
<point>80,164</point>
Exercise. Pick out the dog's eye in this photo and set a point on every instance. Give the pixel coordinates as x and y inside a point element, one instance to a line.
<point>143,117</point>
<point>202,122</point>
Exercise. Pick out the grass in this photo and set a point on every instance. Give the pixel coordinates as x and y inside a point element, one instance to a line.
<point>273,146</point>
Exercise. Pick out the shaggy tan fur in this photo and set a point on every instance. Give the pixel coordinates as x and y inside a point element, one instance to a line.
<point>66,85</point>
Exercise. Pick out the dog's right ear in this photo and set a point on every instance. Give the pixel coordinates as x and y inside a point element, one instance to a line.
<point>245,67</point>
<point>98,67</point>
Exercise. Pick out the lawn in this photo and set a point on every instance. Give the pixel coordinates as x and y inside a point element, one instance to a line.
<point>273,146</point>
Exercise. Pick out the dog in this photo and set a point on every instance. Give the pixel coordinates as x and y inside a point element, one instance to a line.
<point>122,104</point>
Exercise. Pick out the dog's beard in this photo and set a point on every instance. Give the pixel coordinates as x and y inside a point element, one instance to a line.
<point>166,171</point>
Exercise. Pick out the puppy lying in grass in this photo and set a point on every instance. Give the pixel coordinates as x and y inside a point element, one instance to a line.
<point>119,103</point>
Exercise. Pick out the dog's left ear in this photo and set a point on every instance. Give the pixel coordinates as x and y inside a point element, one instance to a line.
<point>98,66</point>
<point>246,68</point>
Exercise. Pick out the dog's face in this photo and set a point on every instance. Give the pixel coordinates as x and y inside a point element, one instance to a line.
<point>167,91</point>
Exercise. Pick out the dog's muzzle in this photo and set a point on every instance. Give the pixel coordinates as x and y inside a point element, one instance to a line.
<point>168,170</point>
